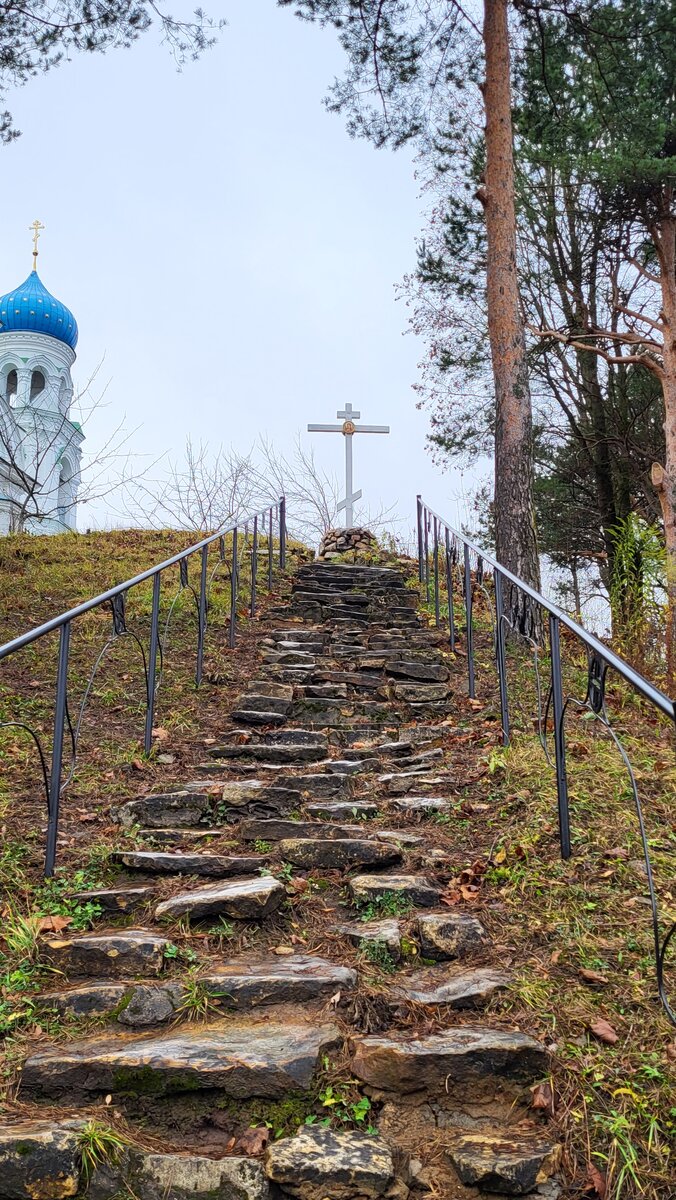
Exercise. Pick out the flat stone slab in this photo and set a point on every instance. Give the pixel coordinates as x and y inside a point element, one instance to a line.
<point>220,866</point>
<point>424,671</point>
<point>334,853</point>
<point>339,810</point>
<point>319,785</point>
<point>459,988</point>
<point>179,1177</point>
<point>242,900</point>
<point>268,979</point>
<point>420,805</point>
<point>290,753</point>
<point>40,1160</point>
<point>268,687</point>
<point>116,955</point>
<point>117,899</point>
<point>330,1164</point>
<point>504,1163</point>
<point>421,692</point>
<point>386,932</point>
<point>88,999</point>
<point>150,1004</point>
<point>167,810</point>
<point>259,716</point>
<point>350,766</point>
<point>415,888</point>
<point>449,935</point>
<point>446,1060</point>
<point>382,750</point>
<point>274,830</point>
<point>243,1059</point>
<point>258,700</point>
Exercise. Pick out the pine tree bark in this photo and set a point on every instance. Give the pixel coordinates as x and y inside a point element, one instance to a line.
<point>664,478</point>
<point>516,545</point>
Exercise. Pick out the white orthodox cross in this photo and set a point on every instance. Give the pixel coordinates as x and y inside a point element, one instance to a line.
<point>348,429</point>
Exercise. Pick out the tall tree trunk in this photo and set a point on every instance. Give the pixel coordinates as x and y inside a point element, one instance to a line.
<point>664,479</point>
<point>515,539</point>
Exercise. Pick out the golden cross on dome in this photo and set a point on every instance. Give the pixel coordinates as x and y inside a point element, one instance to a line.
<point>36,227</point>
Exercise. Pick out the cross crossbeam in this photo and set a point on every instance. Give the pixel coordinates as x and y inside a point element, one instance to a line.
<point>348,429</point>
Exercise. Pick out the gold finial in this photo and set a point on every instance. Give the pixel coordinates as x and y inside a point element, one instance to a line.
<point>36,227</point>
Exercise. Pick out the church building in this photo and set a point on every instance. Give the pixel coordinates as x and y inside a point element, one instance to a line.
<point>40,446</point>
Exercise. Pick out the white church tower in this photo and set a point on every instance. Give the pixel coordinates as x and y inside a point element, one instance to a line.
<point>40,447</point>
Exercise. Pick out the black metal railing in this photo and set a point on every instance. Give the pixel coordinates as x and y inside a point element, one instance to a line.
<point>519,608</point>
<point>270,522</point>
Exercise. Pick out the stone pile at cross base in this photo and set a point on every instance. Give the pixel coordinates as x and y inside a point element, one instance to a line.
<point>323,788</point>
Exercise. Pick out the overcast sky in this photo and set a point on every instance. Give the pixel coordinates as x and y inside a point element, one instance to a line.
<point>227,247</point>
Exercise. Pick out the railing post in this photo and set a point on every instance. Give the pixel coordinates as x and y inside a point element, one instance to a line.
<point>254,566</point>
<point>201,616</point>
<point>500,655</point>
<point>559,737</point>
<point>436,573</point>
<point>469,636</point>
<point>449,592</point>
<point>57,750</point>
<point>418,508</point>
<point>152,664</point>
<point>270,552</point>
<point>282,533</point>
<point>233,590</point>
<point>426,534</point>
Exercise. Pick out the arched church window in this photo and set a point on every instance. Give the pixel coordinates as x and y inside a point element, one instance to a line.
<point>12,383</point>
<point>37,384</point>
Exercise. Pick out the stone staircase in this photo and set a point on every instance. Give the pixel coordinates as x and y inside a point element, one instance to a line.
<point>303,860</point>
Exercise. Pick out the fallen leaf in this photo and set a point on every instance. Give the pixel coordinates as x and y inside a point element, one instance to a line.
<point>500,856</point>
<point>283,950</point>
<point>542,1096</point>
<point>596,1181</point>
<point>604,1031</point>
<point>254,1140</point>
<point>160,734</point>
<point>137,764</point>
<point>555,955</point>
<point>617,852</point>
<point>593,977</point>
<point>166,758</point>
<point>53,924</point>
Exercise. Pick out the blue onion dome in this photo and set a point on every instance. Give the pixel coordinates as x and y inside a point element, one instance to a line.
<point>32,307</point>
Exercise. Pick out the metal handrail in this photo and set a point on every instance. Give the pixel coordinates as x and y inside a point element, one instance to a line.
<point>54,784</point>
<point>600,658</point>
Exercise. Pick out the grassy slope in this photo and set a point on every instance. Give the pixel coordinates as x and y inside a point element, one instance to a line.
<point>615,1104</point>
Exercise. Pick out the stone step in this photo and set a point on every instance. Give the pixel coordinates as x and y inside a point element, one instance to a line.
<point>342,810</point>
<point>136,1005</point>
<point>358,681</point>
<point>364,889</point>
<point>85,999</point>
<point>504,1161</point>
<point>273,830</point>
<point>264,702</point>
<point>251,715</point>
<point>291,753</point>
<point>164,810</point>
<point>420,805</point>
<point>41,1159</point>
<point>321,785</point>
<point>148,1175</point>
<point>219,866</point>
<point>242,1059</point>
<point>242,900</point>
<point>331,1163</point>
<point>427,672</point>
<point>257,979</point>
<point>351,766</point>
<point>449,1062</point>
<point>117,899</point>
<point>173,837</point>
<point>364,933</point>
<point>336,853</point>
<point>402,782</point>
<point>381,750</point>
<point>456,987</point>
<point>268,688</point>
<point>118,955</point>
<point>449,935</point>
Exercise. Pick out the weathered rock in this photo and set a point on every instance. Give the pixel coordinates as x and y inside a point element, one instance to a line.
<point>458,988</point>
<point>117,899</point>
<point>172,810</point>
<point>179,1177</point>
<point>339,810</point>
<point>381,750</point>
<point>262,752</point>
<point>268,979</point>
<point>450,1060</point>
<point>40,1160</point>
<point>259,701</point>
<point>333,853</point>
<point>150,1005</point>
<point>414,888</point>
<point>420,805</point>
<point>243,1059</point>
<point>258,716</point>
<point>425,671</point>
<point>320,785</point>
<point>267,687</point>
<point>504,1163</point>
<point>448,935</point>
<point>274,830</point>
<point>421,692</point>
<point>330,691</point>
<point>219,866</point>
<point>323,1164</point>
<point>86,1000</point>
<point>386,932</point>
<point>242,900</point>
<point>358,766</point>
<point>116,955</point>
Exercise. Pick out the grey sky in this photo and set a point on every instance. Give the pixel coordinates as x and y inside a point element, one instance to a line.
<point>227,246</point>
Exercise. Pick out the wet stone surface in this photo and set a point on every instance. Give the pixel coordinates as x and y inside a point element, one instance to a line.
<point>116,955</point>
<point>323,1164</point>
<point>242,900</point>
<point>40,1160</point>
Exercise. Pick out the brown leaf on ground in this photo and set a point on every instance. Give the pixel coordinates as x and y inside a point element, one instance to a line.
<point>555,955</point>
<point>595,1182</point>
<point>604,1031</point>
<point>137,764</point>
<point>53,924</point>
<point>617,852</point>
<point>595,978</point>
<point>542,1096</point>
<point>254,1140</point>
